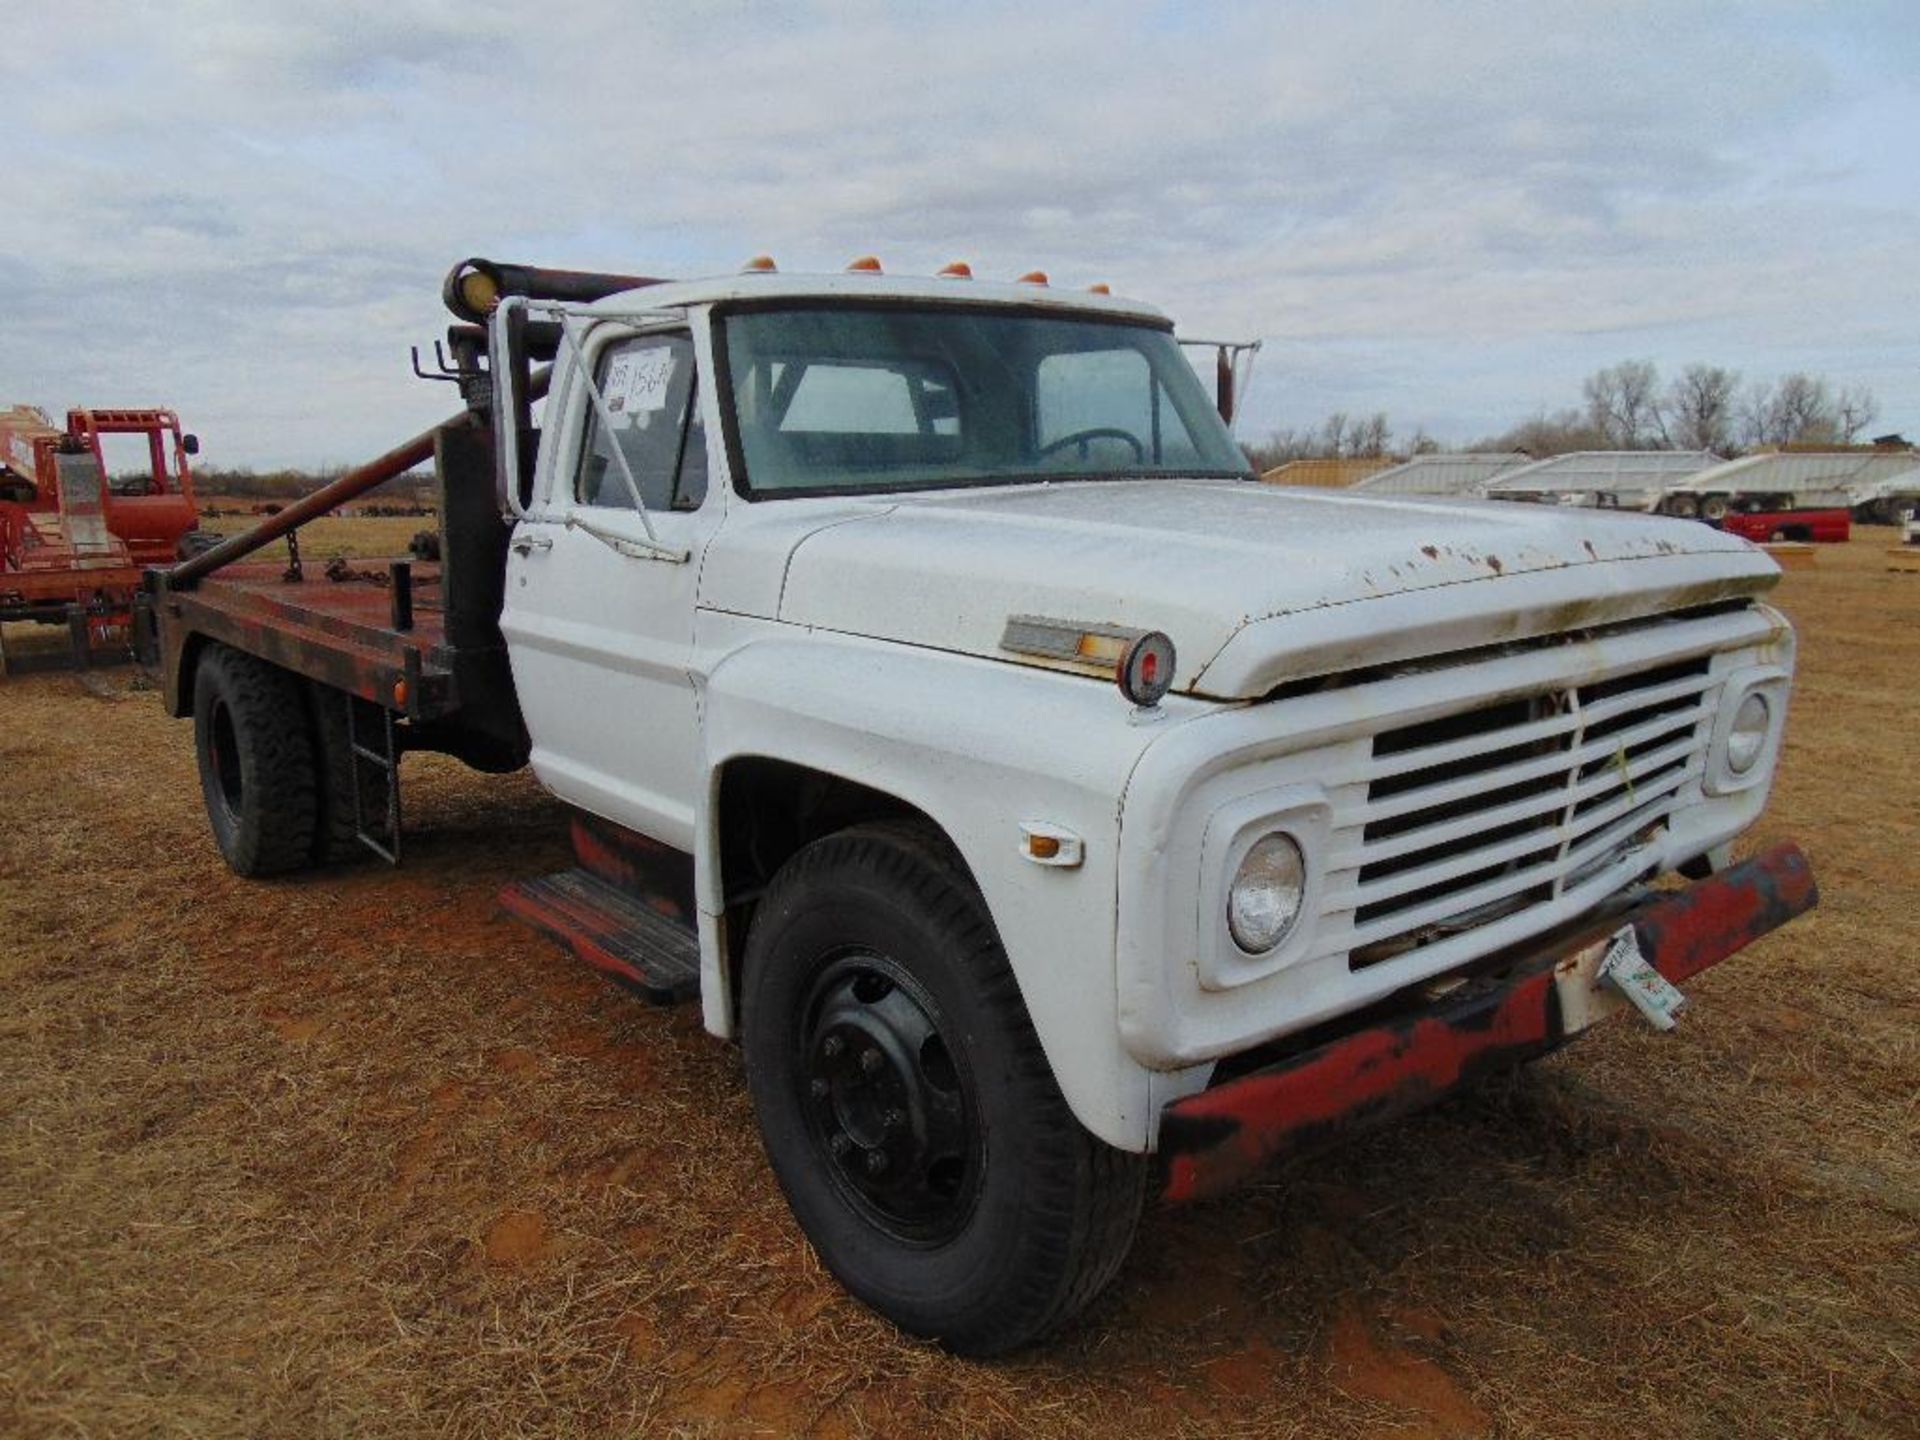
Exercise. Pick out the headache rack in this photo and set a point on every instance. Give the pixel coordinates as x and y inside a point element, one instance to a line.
<point>419,640</point>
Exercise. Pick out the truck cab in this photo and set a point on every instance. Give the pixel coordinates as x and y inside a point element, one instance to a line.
<point>1052,812</point>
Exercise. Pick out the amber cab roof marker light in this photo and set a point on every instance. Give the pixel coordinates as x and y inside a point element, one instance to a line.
<point>955,270</point>
<point>759,265</point>
<point>479,288</point>
<point>865,265</point>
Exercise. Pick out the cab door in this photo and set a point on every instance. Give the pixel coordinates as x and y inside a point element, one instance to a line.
<point>602,578</point>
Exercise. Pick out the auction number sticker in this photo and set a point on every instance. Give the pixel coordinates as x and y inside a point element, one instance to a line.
<point>637,380</point>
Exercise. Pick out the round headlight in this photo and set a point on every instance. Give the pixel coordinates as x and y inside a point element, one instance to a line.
<point>1747,736</point>
<point>1267,891</point>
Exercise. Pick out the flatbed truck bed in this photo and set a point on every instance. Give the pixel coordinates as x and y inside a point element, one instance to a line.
<point>345,633</point>
<point>417,639</point>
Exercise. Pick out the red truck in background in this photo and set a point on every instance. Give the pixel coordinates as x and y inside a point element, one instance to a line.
<point>74,536</point>
<point>1821,527</point>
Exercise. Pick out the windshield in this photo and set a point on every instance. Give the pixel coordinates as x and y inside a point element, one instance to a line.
<point>837,399</point>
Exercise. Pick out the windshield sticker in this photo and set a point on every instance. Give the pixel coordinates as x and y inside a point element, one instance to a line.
<point>637,381</point>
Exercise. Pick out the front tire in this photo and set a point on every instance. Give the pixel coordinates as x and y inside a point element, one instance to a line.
<point>256,762</point>
<point>907,1108</point>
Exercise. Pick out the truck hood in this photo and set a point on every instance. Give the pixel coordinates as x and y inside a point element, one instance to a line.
<point>1256,585</point>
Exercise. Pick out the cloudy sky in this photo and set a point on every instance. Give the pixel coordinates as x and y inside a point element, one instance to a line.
<point>1451,212</point>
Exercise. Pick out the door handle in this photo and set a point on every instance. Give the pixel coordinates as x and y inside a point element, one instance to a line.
<point>527,544</point>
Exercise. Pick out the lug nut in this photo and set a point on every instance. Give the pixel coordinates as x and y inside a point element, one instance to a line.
<point>876,1162</point>
<point>870,1060</point>
<point>839,1145</point>
<point>896,1119</point>
<point>832,1046</point>
<point>818,1089</point>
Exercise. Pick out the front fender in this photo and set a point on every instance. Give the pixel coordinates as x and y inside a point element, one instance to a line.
<point>978,746</point>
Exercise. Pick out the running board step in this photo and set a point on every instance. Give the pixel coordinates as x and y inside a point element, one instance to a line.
<point>612,930</point>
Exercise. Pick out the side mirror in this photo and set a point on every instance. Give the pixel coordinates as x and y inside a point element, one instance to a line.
<point>190,443</point>
<point>513,450</point>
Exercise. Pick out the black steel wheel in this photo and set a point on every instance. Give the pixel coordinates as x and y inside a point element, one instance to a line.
<point>907,1108</point>
<point>889,1109</point>
<point>257,776</point>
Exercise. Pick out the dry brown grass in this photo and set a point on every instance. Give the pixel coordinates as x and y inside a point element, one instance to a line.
<point>355,1155</point>
<point>357,537</point>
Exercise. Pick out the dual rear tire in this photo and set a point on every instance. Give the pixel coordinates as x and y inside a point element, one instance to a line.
<point>256,755</point>
<point>276,772</point>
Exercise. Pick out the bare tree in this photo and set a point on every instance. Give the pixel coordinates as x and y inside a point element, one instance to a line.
<point>1700,408</point>
<point>1756,415</point>
<point>1547,434</point>
<point>1853,412</point>
<point>1333,437</point>
<point>1623,404</point>
<point>1802,412</point>
<point>1279,448</point>
<point>1369,438</point>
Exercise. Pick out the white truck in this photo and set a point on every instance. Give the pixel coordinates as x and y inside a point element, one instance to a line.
<point>1053,814</point>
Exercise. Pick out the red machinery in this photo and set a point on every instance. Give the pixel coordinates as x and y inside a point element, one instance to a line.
<point>74,535</point>
<point>27,443</point>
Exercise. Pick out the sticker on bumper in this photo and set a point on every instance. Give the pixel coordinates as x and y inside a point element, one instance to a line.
<point>1629,972</point>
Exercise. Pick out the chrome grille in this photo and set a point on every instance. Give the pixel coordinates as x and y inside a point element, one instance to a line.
<point>1471,817</point>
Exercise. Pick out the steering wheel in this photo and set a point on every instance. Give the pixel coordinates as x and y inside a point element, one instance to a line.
<point>1096,432</point>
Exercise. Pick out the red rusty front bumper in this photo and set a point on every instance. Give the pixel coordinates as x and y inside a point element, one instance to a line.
<point>1211,1141</point>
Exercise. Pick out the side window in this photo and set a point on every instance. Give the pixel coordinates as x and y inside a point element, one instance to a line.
<point>1092,390</point>
<point>903,398</point>
<point>650,393</point>
<point>1112,400</point>
<point>851,399</point>
<point>1175,442</point>
<point>806,422</point>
